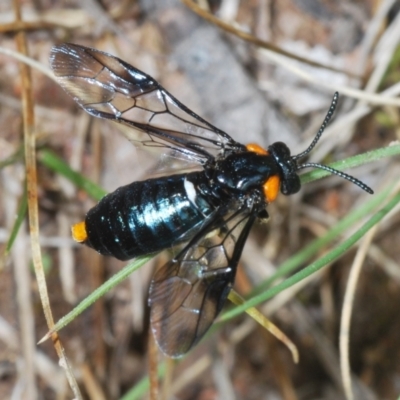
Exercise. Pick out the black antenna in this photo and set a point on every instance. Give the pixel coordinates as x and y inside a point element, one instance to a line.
<point>350,178</point>
<point>325,167</point>
<point>323,126</point>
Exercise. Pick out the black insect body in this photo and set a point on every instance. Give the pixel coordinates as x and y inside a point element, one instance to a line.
<point>148,216</point>
<point>209,212</point>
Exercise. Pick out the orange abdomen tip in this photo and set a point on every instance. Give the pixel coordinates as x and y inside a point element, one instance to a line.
<point>255,148</point>
<point>79,232</point>
<point>271,188</point>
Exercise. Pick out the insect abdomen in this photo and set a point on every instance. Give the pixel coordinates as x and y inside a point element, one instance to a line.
<point>145,217</point>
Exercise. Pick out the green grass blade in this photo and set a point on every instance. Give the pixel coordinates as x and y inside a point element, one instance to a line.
<point>316,245</point>
<point>315,266</point>
<point>21,214</point>
<point>17,156</point>
<point>56,164</point>
<point>352,162</point>
<point>101,291</point>
<point>142,387</point>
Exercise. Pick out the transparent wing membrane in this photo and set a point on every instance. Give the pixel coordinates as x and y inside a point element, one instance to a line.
<point>108,87</point>
<point>188,292</point>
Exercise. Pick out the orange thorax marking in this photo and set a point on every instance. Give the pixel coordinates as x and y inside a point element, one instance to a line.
<point>255,148</point>
<point>272,185</point>
<point>271,188</point>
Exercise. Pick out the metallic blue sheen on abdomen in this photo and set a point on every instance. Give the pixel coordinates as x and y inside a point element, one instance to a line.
<point>145,217</point>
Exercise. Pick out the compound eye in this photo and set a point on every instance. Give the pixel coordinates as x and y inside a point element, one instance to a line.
<point>280,150</point>
<point>291,185</point>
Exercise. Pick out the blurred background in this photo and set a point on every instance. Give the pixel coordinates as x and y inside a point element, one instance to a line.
<point>246,83</point>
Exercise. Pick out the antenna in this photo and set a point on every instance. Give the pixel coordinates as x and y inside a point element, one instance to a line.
<point>325,167</point>
<point>350,178</point>
<point>323,126</point>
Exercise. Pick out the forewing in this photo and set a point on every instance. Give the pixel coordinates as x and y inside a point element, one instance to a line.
<point>108,87</point>
<point>188,292</point>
